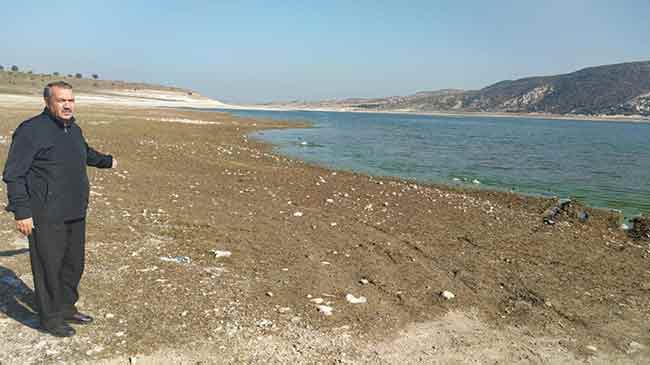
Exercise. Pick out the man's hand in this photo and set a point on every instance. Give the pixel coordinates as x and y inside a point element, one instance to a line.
<point>25,226</point>
<point>114,165</point>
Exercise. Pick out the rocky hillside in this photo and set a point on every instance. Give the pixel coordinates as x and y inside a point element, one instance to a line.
<point>603,90</point>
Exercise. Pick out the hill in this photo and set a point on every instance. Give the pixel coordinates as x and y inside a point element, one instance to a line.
<point>28,86</point>
<point>620,89</point>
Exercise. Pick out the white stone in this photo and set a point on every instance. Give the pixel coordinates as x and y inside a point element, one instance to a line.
<point>355,300</point>
<point>592,348</point>
<point>109,315</point>
<point>317,300</point>
<point>364,281</point>
<point>297,214</point>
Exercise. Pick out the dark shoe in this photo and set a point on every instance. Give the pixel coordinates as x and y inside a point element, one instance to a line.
<point>78,318</point>
<point>62,330</point>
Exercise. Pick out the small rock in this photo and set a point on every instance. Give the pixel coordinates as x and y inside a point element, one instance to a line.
<point>592,348</point>
<point>354,300</point>
<point>269,294</point>
<point>475,181</point>
<point>364,281</point>
<point>447,295</point>
<point>109,315</point>
<point>317,300</point>
<point>50,352</point>
<point>297,214</point>
<point>133,360</point>
<point>325,310</point>
<point>333,224</point>
<point>329,200</point>
<point>120,334</point>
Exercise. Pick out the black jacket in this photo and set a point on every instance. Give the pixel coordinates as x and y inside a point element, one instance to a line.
<point>45,171</point>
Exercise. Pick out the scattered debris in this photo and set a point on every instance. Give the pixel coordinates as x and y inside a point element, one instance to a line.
<point>325,310</point>
<point>264,323</point>
<point>219,253</point>
<point>551,213</point>
<point>640,228</point>
<point>634,347</point>
<point>185,260</point>
<point>355,300</point>
<point>447,295</point>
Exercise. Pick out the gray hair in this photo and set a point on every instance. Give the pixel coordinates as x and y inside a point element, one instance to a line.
<point>47,91</point>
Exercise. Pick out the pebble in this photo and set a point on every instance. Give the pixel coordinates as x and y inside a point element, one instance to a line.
<point>269,294</point>
<point>333,224</point>
<point>354,300</point>
<point>592,348</point>
<point>329,200</point>
<point>297,214</point>
<point>109,315</point>
<point>475,181</point>
<point>325,310</point>
<point>364,281</point>
<point>317,300</point>
<point>447,295</point>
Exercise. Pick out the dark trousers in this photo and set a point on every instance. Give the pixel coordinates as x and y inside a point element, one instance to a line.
<point>57,255</point>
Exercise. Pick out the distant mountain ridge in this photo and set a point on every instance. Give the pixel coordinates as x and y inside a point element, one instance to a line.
<point>619,89</point>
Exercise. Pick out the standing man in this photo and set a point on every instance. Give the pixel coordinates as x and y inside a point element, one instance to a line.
<point>48,191</point>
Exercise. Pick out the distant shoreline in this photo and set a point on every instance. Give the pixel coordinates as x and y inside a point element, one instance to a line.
<point>617,118</point>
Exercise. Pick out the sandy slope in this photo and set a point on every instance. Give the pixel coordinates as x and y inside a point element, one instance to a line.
<point>131,98</point>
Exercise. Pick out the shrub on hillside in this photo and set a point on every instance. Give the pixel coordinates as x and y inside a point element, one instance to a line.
<point>14,68</point>
<point>78,75</point>
<point>95,76</point>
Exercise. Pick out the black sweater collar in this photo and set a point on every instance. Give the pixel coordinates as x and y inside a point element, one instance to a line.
<point>59,122</point>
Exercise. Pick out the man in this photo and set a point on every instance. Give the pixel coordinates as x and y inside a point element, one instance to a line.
<point>48,192</point>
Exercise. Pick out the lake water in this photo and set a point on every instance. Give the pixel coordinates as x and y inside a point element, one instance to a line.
<point>605,164</point>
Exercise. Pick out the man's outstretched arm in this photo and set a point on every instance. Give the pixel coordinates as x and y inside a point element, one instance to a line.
<point>98,159</point>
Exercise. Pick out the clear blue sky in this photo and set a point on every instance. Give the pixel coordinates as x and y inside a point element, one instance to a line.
<point>257,51</point>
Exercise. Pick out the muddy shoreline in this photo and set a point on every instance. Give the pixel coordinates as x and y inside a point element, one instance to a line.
<point>192,182</point>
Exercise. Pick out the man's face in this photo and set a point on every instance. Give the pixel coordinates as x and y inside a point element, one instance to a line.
<point>61,103</point>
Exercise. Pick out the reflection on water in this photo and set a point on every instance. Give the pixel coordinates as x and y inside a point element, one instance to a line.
<point>606,164</point>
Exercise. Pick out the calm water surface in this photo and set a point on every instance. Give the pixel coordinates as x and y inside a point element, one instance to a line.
<point>605,164</point>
